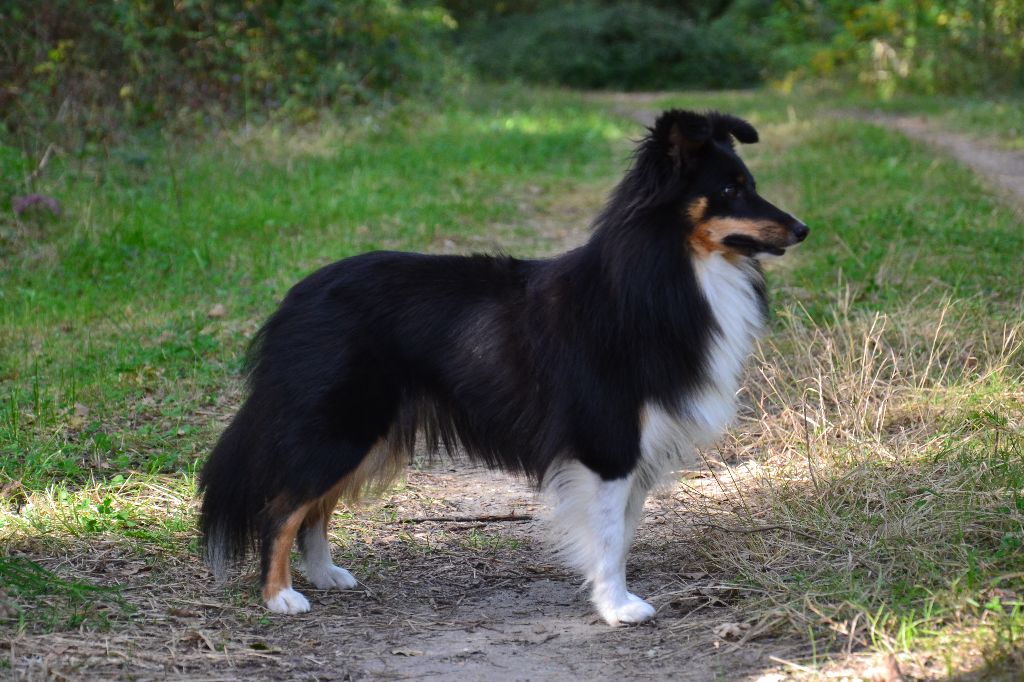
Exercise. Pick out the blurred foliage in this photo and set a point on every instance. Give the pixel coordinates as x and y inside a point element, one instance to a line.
<point>77,72</point>
<point>890,46</point>
<point>470,10</point>
<point>94,65</point>
<point>623,46</point>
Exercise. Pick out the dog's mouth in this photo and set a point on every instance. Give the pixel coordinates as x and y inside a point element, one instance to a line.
<point>750,246</point>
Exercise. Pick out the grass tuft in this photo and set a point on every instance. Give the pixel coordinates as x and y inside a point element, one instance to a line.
<point>32,595</point>
<point>880,502</point>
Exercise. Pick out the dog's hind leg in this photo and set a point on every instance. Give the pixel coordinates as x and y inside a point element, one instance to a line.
<point>593,521</point>
<point>316,549</point>
<point>279,533</point>
<point>286,520</point>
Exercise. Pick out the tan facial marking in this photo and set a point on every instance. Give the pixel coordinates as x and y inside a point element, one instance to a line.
<point>762,230</point>
<point>696,209</point>
<point>701,242</point>
<point>708,235</point>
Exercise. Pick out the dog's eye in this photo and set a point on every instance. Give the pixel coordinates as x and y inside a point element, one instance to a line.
<point>729,192</point>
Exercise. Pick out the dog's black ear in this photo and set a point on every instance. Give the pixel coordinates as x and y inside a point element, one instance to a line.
<point>681,133</point>
<point>735,126</point>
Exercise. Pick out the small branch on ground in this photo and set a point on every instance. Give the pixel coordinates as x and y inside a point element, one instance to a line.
<point>41,166</point>
<point>501,518</point>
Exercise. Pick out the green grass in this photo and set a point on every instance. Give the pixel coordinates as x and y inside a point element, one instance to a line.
<point>114,376</point>
<point>493,543</point>
<point>891,385</point>
<point>110,359</point>
<point>33,593</point>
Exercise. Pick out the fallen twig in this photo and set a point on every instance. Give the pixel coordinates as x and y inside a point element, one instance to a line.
<point>42,164</point>
<point>500,518</point>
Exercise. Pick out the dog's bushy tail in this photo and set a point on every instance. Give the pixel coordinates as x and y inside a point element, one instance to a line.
<point>230,514</point>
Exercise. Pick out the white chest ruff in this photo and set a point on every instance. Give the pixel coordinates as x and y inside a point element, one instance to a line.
<point>670,437</point>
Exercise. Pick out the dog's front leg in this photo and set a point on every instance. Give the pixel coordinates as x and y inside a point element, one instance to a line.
<point>594,521</point>
<point>615,513</point>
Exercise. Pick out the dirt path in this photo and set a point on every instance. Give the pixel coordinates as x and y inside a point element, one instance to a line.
<point>445,599</point>
<point>1003,168</point>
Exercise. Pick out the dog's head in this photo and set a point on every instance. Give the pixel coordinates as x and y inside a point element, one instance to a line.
<point>716,194</point>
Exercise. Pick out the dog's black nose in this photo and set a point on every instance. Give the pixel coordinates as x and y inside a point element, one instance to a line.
<point>800,231</point>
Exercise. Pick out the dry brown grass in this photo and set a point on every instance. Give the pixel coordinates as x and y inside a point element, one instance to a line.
<point>876,495</point>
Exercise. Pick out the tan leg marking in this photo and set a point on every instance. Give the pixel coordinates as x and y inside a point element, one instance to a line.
<point>279,574</point>
<point>322,508</point>
<point>380,467</point>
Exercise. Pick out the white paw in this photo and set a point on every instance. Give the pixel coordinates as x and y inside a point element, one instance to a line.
<point>632,609</point>
<point>331,578</point>
<point>288,601</point>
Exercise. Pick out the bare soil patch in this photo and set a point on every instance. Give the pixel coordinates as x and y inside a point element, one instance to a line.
<point>461,596</point>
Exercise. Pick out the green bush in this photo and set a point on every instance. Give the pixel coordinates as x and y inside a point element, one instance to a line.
<point>96,64</point>
<point>890,46</point>
<point>626,46</point>
<point>931,46</point>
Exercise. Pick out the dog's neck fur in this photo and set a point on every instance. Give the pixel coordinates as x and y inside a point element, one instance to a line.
<point>733,290</point>
<point>711,307</point>
<point>672,433</point>
<point>650,272</point>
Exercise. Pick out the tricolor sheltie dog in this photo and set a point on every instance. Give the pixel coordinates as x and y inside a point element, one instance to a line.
<point>594,374</point>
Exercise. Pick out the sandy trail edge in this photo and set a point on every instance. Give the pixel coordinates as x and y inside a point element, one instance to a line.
<point>1003,169</point>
